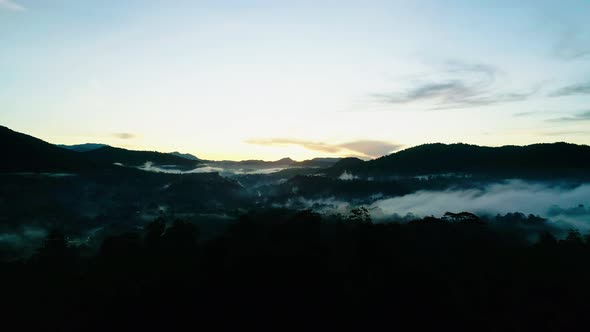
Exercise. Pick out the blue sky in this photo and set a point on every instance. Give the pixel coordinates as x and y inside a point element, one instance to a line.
<point>268,79</point>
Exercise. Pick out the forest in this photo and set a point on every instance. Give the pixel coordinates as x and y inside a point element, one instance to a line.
<point>95,238</point>
<point>279,269</point>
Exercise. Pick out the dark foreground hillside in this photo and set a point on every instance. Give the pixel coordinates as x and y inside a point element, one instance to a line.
<point>281,270</point>
<point>24,153</point>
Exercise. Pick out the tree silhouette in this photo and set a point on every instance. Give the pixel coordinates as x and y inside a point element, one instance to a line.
<point>546,240</point>
<point>574,238</point>
<point>359,216</point>
<point>462,217</point>
<point>55,245</point>
<point>181,236</point>
<point>153,234</point>
<point>54,254</point>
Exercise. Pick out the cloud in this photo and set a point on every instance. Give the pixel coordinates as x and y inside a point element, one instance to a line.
<point>523,114</point>
<point>566,205</point>
<point>574,89</point>
<point>11,5</point>
<point>371,148</point>
<point>345,176</point>
<point>465,85</point>
<point>571,44</point>
<point>150,167</point>
<point>563,133</point>
<point>315,146</point>
<point>585,116</point>
<point>366,148</point>
<point>562,203</point>
<point>124,135</point>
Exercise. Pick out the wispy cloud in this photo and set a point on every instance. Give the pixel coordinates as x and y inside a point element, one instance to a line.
<point>371,148</point>
<point>315,146</point>
<point>523,114</point>
<point>562,133</point>
<point>364,148</point>
<point>584,116</point>
<point>11,5</point>
<point>573,89</point>
<point>465,85</point>
<point>124,135</point>
<point>572,44</point>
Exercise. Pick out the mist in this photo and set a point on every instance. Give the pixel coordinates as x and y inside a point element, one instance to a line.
<point>20,242</point>
<point>227,171</point>
<point>150,167</point>
<point>564,205</point>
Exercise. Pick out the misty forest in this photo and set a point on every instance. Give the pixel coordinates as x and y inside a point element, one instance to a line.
<point>309,165</point>
<point>474,237</point>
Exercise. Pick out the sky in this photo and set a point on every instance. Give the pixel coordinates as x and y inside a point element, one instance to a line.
<point>271,79</point>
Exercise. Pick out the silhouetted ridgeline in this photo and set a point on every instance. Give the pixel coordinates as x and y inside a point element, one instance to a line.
<point>557,159</point>
<point>282,270</point>
<point>111,155</point>
<point>82,147</point>
<point>23,153</point>
<point>281,163</point>
<point>108,247</point>
<point>184,155</point>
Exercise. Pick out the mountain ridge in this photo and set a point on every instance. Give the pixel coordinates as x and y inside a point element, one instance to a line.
<point>82,147</point>
<point>26,153</point>
<point>112,155</point>
<point>437,158</point>
<point>184,155</point>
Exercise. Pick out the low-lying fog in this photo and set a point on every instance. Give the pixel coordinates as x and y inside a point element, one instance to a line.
<point>560,204</point>
<point>150,167</point>
<point>564,205</point>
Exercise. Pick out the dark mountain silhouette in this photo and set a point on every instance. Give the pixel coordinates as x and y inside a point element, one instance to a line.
<point>284,162</point>
<point>559,159</point>
<point>111,155</point>
<point>82,147</point>
<point>86,147</point>
<point>184,155</point>
<point>318,162</point>
<point>24,153</point>
<point>29,154</point>
<point>345,164</point>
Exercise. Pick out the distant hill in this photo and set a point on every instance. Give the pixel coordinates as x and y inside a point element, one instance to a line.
<point>184,155</point>
<point>284,162</point>
<point>345,164</point>
<point>24,153</point>
<point>82,147</point>
<point>318,162</point>
<point>112,155</point>
<point>556,159</point>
